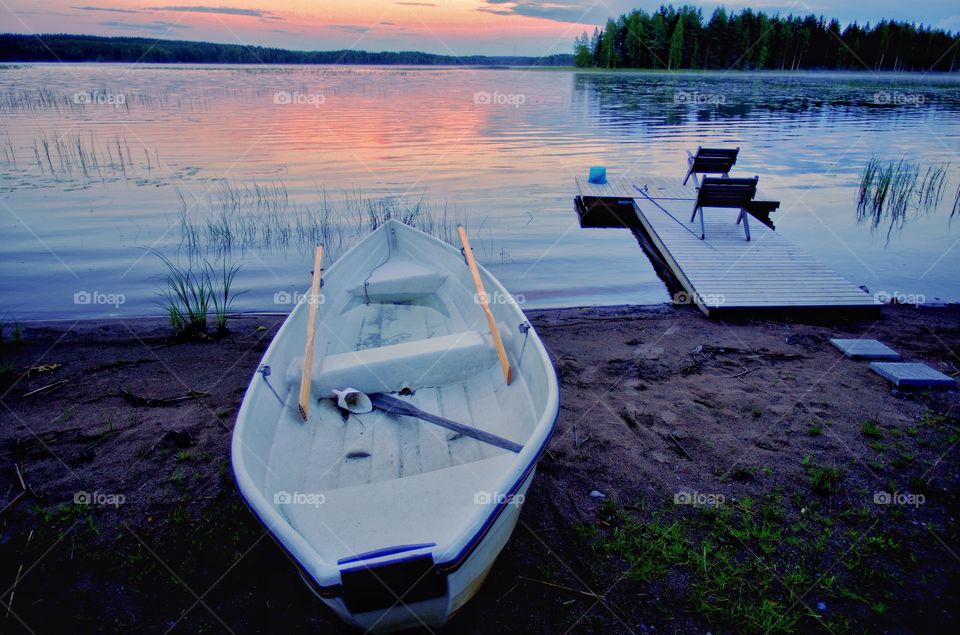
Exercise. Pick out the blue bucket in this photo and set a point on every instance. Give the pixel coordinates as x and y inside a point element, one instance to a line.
<point>598,174</point>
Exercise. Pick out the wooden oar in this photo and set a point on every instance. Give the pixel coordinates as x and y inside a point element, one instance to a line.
<point>311,331</point>
<point>396,406</point>
<point>485,305</point>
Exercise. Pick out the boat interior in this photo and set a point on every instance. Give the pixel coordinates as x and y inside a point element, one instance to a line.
<point>400,317</point>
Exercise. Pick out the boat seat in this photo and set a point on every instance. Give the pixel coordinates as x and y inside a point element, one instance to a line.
<point>430,362</point>
<point>399,280</point>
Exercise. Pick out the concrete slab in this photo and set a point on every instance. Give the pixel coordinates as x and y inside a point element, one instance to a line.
<point>913,374</point>
<point>865,349</point>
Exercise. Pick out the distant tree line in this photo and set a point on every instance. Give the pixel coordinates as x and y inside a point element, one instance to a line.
<point>91,48</point>
<point>681,39</point>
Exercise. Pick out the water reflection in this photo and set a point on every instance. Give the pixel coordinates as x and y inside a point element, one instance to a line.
<point>149,174</point>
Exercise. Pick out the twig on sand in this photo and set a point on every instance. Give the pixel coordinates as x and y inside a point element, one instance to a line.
<point>44,390</point>
<point>783,357</point>
<point>16,579</point>
<point>508,592</point>
<point>691,368</point>
<point>589,594</point>
<point>20,476</point>
<point>13,501</point>
<point>21,494</point>
<point>682,449</point>
<point>577,442</point>
<point>137,400</point>
<point>744,373</point>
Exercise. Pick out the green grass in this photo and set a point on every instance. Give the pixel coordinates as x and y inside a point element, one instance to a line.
<point>177,476</point>
<point>903,459</point>
<point>823,479</point>
<point>16,333</point>
<point>871,429</point>
<point>748,567</point>
<point>815,430</point>
<point>8,370</point>
<point>648,548</point>
<point>741,473</point>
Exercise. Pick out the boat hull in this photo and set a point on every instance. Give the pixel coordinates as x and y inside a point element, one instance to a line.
<point>462,584</point>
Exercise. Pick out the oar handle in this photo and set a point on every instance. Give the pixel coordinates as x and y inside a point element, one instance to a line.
<point>311,332</point>
<point>392,405</point>
<point>485,305</point>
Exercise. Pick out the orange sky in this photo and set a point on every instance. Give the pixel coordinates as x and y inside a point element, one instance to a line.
<point>460,27</point>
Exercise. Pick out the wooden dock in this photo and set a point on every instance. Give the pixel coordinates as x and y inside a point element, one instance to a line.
<point>724,272</point>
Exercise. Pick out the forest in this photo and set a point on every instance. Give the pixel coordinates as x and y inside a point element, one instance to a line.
<point>92,48</point>
<point>681,38</point>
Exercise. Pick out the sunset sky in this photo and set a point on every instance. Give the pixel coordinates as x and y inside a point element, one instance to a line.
<point>459,27</point>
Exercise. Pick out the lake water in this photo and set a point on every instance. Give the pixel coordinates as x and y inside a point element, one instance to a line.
<point>102,167</point>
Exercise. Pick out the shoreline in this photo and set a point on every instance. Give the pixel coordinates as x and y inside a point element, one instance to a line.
<point>787,442</point>
<point>784,314</point>
<point>680,72</point>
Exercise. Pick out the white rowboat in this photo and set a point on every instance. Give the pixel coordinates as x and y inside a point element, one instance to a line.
<point>393,520</point>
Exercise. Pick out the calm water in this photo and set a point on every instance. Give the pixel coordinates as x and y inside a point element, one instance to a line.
<point>100,166</point>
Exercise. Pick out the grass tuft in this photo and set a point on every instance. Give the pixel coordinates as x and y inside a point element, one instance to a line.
<point>189,296</point>
<point>871,429</point>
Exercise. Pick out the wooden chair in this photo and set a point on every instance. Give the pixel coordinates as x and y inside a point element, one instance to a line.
<point>710,161</point>
<point>728,193</point>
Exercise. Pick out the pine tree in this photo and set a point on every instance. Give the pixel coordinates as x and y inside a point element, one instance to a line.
<point>675,58</point>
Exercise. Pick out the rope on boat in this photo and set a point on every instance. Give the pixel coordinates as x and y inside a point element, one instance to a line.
<point>366,281</point>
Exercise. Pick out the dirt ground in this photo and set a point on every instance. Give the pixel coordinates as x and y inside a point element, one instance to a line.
<point>705,475</point>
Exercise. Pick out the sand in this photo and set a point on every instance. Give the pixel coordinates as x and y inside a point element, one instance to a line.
<point>655,402</point>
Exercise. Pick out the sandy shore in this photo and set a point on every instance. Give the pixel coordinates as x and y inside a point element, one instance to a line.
<point>781,445</point>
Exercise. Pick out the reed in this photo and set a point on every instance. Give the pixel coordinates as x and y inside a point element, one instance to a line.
<point>189,295</point>
<point>64,156</point>
<point>893,192</point>
<point>260,215</point>
<point>220,284</point>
